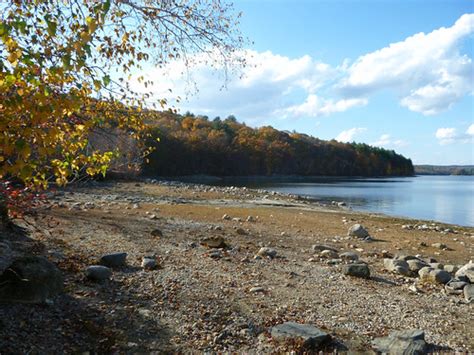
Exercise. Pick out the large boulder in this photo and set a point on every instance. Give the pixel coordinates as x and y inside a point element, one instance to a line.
<point>114,260</point>
<point>358,231</point>
<point>30,279</point>
<point>466,273</point>
<point>407,342</point>
<point>310,336</point>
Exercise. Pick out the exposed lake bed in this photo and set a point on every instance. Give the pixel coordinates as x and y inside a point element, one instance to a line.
<point>233,263</point>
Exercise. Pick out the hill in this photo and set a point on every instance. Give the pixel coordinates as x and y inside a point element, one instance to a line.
<point>444,169</point>
<point>191,145</point>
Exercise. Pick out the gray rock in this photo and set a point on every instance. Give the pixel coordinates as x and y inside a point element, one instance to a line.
<point>329,254</point>
<point>439,246</point>
<point>321,247</point>
<point>469,293</point>
<point>438,276</point>
<point>114,260</point>
<point>437,266</point>
<point>425,271</point>
<point>466,273</point>
<point>405,257</point>
<point>397,266</point>
<point>149,263</point>
<point>408,342</point>
<point>311,336</point>
<point>416,265</point>
<point>267,252</point>
<point>450,268</point>
<point>98,272</point>
<point>30,279</point>
<point>455,287</point>
<point>357,270</point>
<point>358,231</point>
<point>349,256</point>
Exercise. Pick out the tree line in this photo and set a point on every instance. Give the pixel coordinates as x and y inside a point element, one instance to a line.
<point>192,145</point>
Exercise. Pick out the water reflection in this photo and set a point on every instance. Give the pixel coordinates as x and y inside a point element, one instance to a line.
<point>443,198</point>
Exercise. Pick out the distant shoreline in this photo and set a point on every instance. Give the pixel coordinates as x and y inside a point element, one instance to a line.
<point>467,170</point>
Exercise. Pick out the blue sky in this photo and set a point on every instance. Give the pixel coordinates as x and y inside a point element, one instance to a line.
<point>396,74</point>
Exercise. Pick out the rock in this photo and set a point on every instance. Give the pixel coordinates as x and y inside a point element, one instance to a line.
<point>226,217</point>
<point>437,276</point>
<point>321,247</point>
<point>437,266</point>
<point>149,263</point>
<point>416,265</point>
<point>98,272</point>
<point>439,246</point>
<point>341,204</point>
<point>397,266</point>
<point>30,279</point>
<point>424,271</point>
<point>156,233</point>
<point>358,231</point>
<point>455,287</point>
<point>250,219</point>
<point>310,336</point>
<point>216,254</point>
<point>466,273</point>
<point>114,260</point>
<point>267,252</point>
<point>6,255</point>
<point>357,270</point>
<point>214,242</point>
<point>405,257</point>
<point>469,293</point>
<point>405,342</point>
<point>257,289</point>
<point>349,256</point>
<point>450,268</point>
<point>241,231</point>
<point>329,254</point>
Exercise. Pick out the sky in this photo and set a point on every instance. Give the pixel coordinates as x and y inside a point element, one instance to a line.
<point>393,74</point>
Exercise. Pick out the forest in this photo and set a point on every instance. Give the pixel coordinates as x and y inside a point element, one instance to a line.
<point>193,145</point>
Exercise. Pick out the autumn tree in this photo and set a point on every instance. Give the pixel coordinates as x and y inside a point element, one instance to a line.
<point>66,69</point>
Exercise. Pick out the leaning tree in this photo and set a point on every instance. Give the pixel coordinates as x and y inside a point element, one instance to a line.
<point>65,72</point>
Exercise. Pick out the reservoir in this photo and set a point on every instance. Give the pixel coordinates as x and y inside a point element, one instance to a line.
<point>448,199</point>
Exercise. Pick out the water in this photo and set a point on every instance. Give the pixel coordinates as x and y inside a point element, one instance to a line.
<point>447,199</point>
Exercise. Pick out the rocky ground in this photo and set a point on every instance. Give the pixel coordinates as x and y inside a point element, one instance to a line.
<point>231,263</point>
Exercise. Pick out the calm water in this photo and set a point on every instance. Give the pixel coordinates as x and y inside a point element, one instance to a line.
<point>447,199</point>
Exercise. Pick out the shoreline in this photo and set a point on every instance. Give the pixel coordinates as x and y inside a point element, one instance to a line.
<point>226,299</point>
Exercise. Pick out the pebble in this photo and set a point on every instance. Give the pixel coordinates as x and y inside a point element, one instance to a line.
<point>267,252</point>
<point>149,263</point>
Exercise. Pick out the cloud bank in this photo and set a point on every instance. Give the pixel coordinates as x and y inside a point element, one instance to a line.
<point>427,72</point>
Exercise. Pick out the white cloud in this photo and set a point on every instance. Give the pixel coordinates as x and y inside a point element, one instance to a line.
<point>348,135</point>
<point>427,71</point>
<point>272,86</point>
<point>450,135</point>
<point>386,141</point>
<point>470,130</point>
